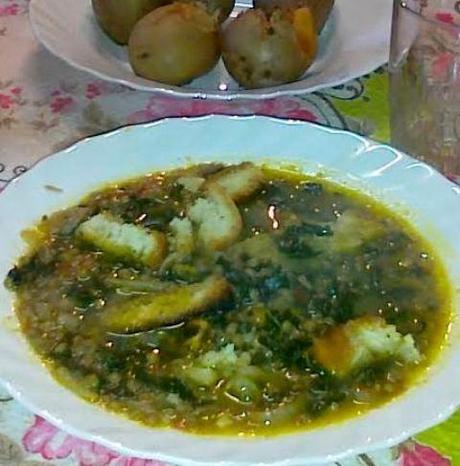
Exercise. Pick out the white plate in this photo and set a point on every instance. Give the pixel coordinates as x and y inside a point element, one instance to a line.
<point>430,201</point>
<point>354,42</point>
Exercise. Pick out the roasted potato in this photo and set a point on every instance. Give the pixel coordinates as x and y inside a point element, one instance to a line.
<point>174,44</point>
<point>117,18</point>
<point>261,50</point>
<point>219,9</point>
<point>321,9</point>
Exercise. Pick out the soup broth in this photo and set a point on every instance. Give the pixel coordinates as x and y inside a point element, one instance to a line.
<point>231,300</point>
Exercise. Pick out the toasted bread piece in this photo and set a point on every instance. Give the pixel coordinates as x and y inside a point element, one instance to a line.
<point>124,240</point>
<point>239,181</point>
<point>182,241</point>
<point>361,342</point>
<point>166,307</point>
<point>217,217</point>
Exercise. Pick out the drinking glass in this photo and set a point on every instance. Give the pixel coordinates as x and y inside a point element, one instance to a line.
<point>425,82</point>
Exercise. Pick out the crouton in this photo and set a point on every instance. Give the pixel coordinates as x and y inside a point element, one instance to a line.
<point>201,376</point>
<point>182,240</point>
<point>239,181</point>
<point>191,183</point>
<point>166,307</point>
<point>218,219</point>
<point>124,240</point>
<point>361,342</point>
<point>212,366</point>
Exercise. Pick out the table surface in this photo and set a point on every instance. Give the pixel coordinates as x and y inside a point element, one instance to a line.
<point>46,105</point>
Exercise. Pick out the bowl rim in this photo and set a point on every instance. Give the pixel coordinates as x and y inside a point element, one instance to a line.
<point>83,434</point>
<point>154,87</point>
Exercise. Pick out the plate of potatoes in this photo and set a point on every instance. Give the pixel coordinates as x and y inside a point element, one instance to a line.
<point>220,49</point>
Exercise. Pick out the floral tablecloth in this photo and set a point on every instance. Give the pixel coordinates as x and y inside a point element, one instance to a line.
<point>46,105</point>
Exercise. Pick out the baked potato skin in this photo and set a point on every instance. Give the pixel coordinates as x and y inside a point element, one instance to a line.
<point>261,50</point>
<point>219,9</point>
<point>117,18</point>
<point>321,9</point>
<point>174,44</point>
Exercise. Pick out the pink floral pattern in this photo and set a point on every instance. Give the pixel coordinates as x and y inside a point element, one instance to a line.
<point>9,97</point>
<point>10,10</point>
<point>93,90</point>
<point>160,107</point>
<point>416,454</point>
<point>13,8</point>
<point>61,104</point>
<point>43,439</point>
<point>96,89</point>
<point>6,101</point>
<point>445,17</point>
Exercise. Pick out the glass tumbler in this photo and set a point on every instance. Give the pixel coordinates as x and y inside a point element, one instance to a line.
<point>425,82</point>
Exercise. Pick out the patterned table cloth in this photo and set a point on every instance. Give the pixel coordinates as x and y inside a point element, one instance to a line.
<point>46,105</point>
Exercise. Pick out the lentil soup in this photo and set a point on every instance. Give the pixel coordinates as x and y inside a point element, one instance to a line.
<point>231,300</point>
